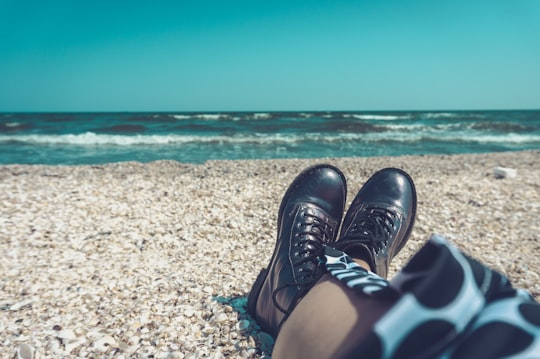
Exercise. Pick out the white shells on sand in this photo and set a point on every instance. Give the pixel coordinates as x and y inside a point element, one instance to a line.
<point>136,260</point>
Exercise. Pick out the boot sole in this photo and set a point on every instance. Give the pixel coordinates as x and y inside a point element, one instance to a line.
<point>263,274</point>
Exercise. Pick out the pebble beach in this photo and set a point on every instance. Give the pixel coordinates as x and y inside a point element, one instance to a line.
<point>155,260</point>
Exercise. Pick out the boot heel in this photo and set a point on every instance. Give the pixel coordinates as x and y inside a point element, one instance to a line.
<point>255,291</point>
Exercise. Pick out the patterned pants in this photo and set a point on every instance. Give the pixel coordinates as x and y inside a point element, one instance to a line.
<point>447,305</point>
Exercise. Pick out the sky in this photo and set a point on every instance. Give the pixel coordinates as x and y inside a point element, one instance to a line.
<point>273,55</point>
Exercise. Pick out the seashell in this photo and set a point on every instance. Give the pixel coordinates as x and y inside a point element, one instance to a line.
<point>24,351</point>
<point>66,334</point>
<point>104,343</point>
<point>222,318</point>
<point>243,324</point>
<point>72,344</point>
<point>174,355</point>
<point>208,289</point>
<point>20,305</point>
<point>134,340</point>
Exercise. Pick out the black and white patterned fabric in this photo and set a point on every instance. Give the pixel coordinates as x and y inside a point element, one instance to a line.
<point>447,305</point>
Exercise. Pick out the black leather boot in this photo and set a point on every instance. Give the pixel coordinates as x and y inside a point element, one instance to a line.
<point>380,219</point>
<point>309,216</point>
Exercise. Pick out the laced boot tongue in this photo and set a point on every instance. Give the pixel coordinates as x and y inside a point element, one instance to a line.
<point>358,250</point>
<point>311,243</point>
<point>314,232</point>
<point>369,235</point>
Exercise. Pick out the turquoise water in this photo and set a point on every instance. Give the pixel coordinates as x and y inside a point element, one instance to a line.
<point>93,138</point>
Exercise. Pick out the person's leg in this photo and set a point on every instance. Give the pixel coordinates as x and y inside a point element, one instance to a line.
<point>328,322</point>
<point>333,319</point>
<point>309,217</point>
<point>330,319</point>
<point>446,305</point>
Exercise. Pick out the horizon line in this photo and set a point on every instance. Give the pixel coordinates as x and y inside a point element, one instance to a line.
<point>260,111</point>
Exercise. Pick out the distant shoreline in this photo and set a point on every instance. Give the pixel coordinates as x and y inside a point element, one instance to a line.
<point>497,158</point>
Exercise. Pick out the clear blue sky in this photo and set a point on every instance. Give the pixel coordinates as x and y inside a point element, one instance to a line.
<point>66,55</point>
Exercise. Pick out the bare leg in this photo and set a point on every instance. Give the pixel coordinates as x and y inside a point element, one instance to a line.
<point>328,322</point>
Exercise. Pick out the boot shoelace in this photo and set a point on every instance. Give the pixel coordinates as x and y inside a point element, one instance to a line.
<point>314,232</point>
<point>373,227</point>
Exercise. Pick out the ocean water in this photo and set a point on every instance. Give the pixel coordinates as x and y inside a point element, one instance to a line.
<point>94,138</point>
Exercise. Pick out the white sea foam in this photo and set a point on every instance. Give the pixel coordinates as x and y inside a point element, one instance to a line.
<point>506,138</point>
<point>452,115</point>
<point>511,138</point>
<point>406,127</point>
<point>211,116</point>
<point>261,116</point>
<point>378,117</point>
<point>202,116</point>
<point>440,115</point>
<point>92,139</point>
<point>12,124</point>
<point>181,117</point>
<point>422,127</point>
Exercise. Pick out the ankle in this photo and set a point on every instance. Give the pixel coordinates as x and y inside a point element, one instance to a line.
<point>360,254</point>
<point>362,263</point>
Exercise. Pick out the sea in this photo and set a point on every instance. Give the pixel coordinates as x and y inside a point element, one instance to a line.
<point>196,137</point>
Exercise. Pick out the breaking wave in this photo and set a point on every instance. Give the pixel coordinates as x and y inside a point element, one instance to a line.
<point>93,139</point>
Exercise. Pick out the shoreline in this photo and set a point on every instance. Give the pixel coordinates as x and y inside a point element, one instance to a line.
<point>502,155</point>
<point>140,259</point>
